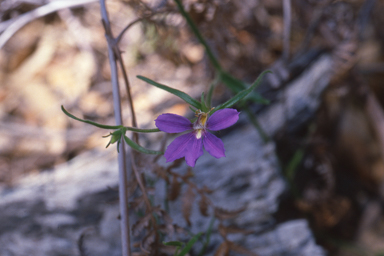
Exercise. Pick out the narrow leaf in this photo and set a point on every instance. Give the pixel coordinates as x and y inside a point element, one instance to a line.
<point>189,245</point>
<point>139,148</point>
<point>204,107</point>
<point>207,236</point>
<point>231,82</point>
<point>188,99</point>
<point>111,127</point>
<point>237,85</point>
<point>242,94</point>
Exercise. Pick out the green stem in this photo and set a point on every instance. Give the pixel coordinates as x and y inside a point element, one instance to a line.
<point>257,125</point>
<point>210,92</point>
<point>196,31</point>
<point>208,237</point>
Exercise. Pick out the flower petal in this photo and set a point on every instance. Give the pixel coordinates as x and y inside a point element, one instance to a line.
<point>213,145</point>
<point>194,150</point>
<point>222,119</point>
<point>177,148</point>
<point>172,123</point>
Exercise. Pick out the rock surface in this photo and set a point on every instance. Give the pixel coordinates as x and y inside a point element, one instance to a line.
<point>51,212</point>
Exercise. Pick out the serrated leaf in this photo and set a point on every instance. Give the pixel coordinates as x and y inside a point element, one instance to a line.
<point>141,224</point>
<point>137,204</point>
<point>187,200</point>
<point>182,95</point>
<point>139,148</point>
<point>148,241</point>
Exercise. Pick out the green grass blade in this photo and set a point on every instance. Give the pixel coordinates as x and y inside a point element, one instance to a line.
<point>189,245</point>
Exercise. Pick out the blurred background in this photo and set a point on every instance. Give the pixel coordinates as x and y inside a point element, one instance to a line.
<point>334,161</point>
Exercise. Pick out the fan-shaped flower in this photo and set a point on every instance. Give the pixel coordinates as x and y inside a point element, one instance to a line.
<point>190,145</point>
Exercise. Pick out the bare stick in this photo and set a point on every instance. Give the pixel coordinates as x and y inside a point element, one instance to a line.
<point>123,193</point>
<point>22,20</point>
<point>287,28</point>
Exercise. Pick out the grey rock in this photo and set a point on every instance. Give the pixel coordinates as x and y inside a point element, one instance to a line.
<point>48,213</point>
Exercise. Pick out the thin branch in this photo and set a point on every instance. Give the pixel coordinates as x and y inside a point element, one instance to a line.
<point>22,20</point>
<point>113,44</point>
<point>123,192</point>
<point>118,38</point>
<point>128,89</point>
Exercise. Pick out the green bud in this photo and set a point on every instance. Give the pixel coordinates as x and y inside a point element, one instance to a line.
<point>115,136</point>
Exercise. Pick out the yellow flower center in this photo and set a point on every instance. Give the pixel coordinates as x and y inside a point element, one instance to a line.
<point>199,125</point>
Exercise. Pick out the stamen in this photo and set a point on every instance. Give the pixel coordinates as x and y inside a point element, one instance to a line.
<point>203,119</point>
<point>198,134</point>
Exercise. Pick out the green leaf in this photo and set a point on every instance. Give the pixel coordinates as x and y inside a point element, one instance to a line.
<point>139,148</point>
<point>204,107</point>
<point>207,237</point>
<point>189,245</point>
<point>115,136</point>
<point>293,164</point>
<point>193,110</point>
<point>188,99</point>
<point>242,94</point>
<point>110,127</point>
<point>210,91</point>
<point>197,33</point>
<point>174,243</point>
<point>231,82</point>
<point>237,86</point>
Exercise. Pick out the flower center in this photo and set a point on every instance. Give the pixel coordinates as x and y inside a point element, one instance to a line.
<point>199,125</point>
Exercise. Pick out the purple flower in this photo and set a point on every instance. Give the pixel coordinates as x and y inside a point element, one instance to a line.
<point>190,145</point>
